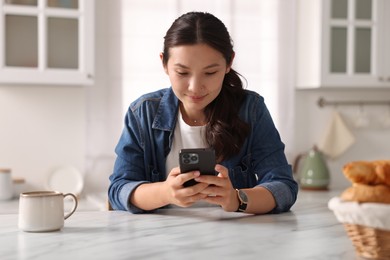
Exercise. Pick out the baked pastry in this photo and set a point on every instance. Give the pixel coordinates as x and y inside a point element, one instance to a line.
<point>367,193</point>
<point>368,172</point>
<point>383,171</point>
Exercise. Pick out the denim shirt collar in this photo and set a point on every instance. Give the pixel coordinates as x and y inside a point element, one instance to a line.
<point>166,114</point>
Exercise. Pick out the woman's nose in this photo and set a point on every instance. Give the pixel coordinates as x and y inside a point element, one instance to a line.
<point>195,84</point>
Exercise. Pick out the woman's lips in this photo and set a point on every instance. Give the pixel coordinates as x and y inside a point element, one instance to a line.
<point>197,98</point>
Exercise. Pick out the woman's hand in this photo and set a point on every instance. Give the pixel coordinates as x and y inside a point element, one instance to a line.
<point>219,189</point>
<point>178,194</point>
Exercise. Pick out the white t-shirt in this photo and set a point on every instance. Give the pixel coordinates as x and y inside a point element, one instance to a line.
<point>185,136</point>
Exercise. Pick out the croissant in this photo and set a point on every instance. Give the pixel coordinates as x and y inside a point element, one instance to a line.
<point>366,193</point>
<point>368,172</point>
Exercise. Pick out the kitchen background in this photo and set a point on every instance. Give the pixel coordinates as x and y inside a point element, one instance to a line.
<point>47,126</point>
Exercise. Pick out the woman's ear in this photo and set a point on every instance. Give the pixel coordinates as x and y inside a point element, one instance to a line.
<point>162,61</point>
<point>161,56</point>
<point>231,63</point>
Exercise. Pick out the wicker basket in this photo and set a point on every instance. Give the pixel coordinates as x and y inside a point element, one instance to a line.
<point>369,242</point>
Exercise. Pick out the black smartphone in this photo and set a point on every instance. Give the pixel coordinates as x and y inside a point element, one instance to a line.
<point>197,159</point>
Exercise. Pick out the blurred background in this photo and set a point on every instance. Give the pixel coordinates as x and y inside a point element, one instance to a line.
<point>87,60</point>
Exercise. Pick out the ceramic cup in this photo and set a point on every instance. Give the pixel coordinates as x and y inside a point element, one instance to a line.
<point>41,211</point>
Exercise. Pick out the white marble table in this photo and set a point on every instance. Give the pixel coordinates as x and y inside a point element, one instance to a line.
<point>310,231</point>
<point>90,202</point>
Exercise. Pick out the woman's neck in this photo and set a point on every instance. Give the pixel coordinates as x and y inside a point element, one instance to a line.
<point>193,119</point>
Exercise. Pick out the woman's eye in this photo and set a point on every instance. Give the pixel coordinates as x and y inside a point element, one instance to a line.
<point>182,73</point>
<point>211,73</point>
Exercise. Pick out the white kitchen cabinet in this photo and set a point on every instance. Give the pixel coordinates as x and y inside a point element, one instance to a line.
<point>47,42</point>
<point>343,43</point>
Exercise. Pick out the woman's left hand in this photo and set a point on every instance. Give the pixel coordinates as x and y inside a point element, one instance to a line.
<point>220,190</point>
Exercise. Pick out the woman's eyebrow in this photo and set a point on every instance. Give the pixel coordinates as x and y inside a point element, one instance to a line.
<point>180,65</point>
<point>207,67</point>
<point>212,66</point>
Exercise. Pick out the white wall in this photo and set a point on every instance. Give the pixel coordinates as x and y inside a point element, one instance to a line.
<point>104,99</point>
<point>41,128</point>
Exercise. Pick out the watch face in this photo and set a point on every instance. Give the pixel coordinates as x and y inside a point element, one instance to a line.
<point>243,196</point>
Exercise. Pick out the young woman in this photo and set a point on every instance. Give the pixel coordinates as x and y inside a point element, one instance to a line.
<point>205,107</point>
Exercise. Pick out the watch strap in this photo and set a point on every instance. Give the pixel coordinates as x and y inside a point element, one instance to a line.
<point>242,205</point>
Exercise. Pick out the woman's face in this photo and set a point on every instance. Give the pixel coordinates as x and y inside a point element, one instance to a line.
<point>196,73</point>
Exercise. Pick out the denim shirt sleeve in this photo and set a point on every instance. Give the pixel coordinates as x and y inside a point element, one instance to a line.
<point>142,147</point>
<point>267,158</point>
<point>129,170</point>
<point>133,165</point>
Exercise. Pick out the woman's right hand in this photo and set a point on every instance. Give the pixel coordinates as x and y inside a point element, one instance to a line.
<point>180,195</point>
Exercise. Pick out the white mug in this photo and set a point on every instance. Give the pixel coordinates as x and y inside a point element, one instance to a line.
<point>41,211</point>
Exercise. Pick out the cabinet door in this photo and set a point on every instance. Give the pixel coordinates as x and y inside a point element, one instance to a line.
<point>46,41</point>
<point>353,55</point>
<point>384,74</point>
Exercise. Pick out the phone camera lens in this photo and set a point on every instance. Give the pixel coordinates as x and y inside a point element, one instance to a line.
<point>190,158</point>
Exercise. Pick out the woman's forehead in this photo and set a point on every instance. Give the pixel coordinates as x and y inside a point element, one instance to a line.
<point>186,55</point>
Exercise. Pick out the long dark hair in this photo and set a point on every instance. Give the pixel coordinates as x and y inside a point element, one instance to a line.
<point>225,131</point>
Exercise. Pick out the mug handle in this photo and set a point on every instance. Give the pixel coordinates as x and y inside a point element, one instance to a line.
<point>74,205</point>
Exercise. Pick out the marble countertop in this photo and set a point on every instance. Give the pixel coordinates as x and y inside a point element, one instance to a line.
<point>309,231</point>
<point>90,202</point>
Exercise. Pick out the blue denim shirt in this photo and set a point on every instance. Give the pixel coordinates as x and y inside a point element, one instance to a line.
<point>147,137</point>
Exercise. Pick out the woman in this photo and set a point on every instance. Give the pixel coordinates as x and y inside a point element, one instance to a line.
<point>206,106</point>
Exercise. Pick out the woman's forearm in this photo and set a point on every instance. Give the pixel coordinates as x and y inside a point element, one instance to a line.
<point>260,200</point>
<point>149,196</point>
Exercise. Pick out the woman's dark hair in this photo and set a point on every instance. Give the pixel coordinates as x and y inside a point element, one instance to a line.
<point>225,131</point>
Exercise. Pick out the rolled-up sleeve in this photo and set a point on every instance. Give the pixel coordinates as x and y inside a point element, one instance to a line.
<point>269,161</point>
